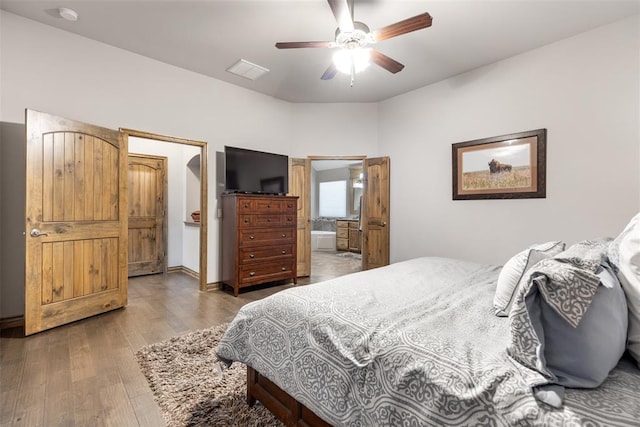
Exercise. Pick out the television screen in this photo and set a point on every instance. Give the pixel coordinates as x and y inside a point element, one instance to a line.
<point>249,171</point>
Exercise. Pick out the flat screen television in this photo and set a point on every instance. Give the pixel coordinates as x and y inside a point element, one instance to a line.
<point>249,171</point>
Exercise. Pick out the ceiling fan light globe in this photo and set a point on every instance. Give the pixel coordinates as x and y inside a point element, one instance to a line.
<point>344,58</point>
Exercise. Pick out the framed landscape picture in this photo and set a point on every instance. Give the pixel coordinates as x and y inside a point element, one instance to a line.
<point>501,167</point>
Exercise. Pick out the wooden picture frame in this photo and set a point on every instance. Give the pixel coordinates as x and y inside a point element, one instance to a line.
<point>501,167</point>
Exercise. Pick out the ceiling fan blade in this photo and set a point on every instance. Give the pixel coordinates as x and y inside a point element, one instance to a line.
<point>343,11</point>
<point>293,45</point>
<point>385,62</point>
<point>408,25</point>
<point>330,72</point>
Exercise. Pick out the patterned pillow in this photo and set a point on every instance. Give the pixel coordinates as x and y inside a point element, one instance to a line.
<point>624,254</point>
<point>514,271</point>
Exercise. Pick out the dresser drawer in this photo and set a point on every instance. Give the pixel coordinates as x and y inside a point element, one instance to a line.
<point>275,206</point>
<point>265,220</point>
<point>257,254</point>
<point>264,236</point>
<point>258,205</point>
<point>266,272</point>
<point>342,233</point>
<point>342,244</point>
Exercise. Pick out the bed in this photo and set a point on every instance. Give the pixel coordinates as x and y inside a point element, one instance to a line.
<point>414,343</point>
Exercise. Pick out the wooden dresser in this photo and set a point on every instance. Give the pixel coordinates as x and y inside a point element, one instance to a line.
<point>347,236</point>
<point>258,239</point>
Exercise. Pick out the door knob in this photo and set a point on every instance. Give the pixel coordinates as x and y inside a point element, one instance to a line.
<point>36,232</point>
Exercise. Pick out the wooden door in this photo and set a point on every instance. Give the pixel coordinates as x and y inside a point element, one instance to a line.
<point>375,213</point>
<point>147,211</point>
<point>300,185</point>
<point>76,221</point>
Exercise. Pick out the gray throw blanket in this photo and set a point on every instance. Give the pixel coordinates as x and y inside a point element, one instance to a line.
<point>567,284</point>
<point>568,281</point>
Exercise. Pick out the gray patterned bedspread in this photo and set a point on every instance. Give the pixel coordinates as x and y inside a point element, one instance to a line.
<point>413,344</point>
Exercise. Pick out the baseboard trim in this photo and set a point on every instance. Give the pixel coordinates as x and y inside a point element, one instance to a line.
<point>214,286</point>
<point>12,322</point>
<point>185,270</point>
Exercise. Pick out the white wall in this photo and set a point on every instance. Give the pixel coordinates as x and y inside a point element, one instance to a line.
<point>584,90</point>
<point>178,239</point>
<point>339,129</point>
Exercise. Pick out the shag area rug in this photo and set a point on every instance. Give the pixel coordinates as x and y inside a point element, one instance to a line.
<point>189,389</point>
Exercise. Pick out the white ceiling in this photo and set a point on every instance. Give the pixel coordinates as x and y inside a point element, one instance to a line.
<point>208,36</point>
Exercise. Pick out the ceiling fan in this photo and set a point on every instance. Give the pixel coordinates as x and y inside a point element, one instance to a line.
<point>353,39</point>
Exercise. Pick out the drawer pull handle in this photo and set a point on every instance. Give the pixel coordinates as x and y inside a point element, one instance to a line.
<point>284,268</point>
<point>284,235</point>
<point>246,220</point>
<point>252,237</point>
<point>284,252</point>
<point>246,205</point>
<point>268,219</point>
<point>252,256</point>
<point>289,219</point>
<point>253,273</point>
<point>268,206</point>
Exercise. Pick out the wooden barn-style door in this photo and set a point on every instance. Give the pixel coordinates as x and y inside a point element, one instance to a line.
<point>147,210</point>
<point>375,213</point>
<point>76,221</point>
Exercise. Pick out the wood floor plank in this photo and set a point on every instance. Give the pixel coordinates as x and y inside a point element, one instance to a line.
<point>81,360</point>
<point>7,406</point>
<point>88,408</point>
<point>30,395</point>
<point>86,374</point>
<point>118,412</point>
<point>147,411</point>
<point>58,387</point>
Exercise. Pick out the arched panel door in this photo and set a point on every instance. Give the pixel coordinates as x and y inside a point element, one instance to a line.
<point>75,221</point>
<point>147,210</point>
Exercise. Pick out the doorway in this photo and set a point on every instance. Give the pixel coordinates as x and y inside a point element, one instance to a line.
<point>187,205</point>
<point>147,240</point>
<point>336,235</point>
<point>372,223</point>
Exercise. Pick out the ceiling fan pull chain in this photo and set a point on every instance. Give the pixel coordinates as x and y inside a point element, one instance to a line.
<point>353,71</point>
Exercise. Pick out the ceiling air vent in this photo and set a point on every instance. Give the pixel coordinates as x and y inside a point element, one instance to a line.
<point>248,70</point>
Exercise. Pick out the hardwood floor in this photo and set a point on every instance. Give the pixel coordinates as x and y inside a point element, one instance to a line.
<point>85,373</point>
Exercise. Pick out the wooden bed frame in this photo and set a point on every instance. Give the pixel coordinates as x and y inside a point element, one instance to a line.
<point>282,405</point>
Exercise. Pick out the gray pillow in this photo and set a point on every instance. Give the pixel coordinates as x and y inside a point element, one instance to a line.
<point>583,356</point>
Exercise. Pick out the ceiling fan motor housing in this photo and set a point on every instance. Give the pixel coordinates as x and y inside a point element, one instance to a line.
<point>358,38</point>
